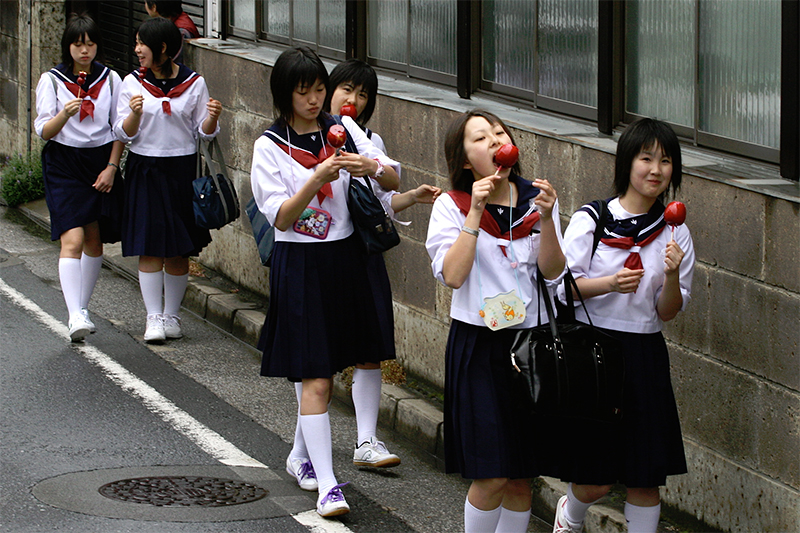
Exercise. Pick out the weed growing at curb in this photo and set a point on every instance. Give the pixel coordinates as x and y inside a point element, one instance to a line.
<point>21,178</point>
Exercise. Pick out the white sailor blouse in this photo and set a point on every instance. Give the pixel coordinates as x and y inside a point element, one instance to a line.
<point>632,312</point>
<point>170,123</point>
<point>92,126</point>
<point>276,176</point>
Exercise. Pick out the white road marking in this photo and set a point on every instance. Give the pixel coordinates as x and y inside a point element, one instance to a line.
<point>318,524</point>
<point>207,439</point>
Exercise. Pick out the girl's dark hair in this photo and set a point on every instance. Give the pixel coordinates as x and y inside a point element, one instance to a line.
<point>295,66</point>
<point>77,27</point>
<point>461,179</point>
<point>643,134</point>
<point>358,73</point>
<point>157,31</point>
<point>166,8</point>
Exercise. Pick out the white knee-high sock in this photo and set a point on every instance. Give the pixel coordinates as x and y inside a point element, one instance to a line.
<point>69,274</point>
<point>299,450</point>
<point>90,271</point>
<point>477,521</point>
<point>317,434</point>
<point>152,286</point>
<point>642,519</point>
<point>513,521</point>
<point>367,401</point>
<point>575,510</point>
<point>174,289</point>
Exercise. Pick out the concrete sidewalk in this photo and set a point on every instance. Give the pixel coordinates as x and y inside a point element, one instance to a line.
<point>402,410</point>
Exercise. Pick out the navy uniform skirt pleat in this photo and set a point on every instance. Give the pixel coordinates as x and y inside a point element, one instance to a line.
<point>648,446</point>
<point>486,435</point>
<point>69,174</point>
<point>382,293</point>
<point>158,219</point>
<point>322,316</point>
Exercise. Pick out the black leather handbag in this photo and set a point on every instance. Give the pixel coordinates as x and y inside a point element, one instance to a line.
<point>215,201</point>
<point>370,219</point>
<point>567,368</point>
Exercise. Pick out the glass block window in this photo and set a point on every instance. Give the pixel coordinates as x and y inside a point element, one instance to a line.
<point>413,35</point>
<point>710,65</point>
<point>542,48</point>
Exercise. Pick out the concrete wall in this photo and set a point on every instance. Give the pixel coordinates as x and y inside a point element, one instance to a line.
<point>736,365</point>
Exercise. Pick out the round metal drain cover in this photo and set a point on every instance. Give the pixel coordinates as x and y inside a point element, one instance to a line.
<point>183,491</point>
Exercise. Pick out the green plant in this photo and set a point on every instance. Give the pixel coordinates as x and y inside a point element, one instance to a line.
<point>21,177</point>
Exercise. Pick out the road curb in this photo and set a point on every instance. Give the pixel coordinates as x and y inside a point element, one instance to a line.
<point>402,411</point>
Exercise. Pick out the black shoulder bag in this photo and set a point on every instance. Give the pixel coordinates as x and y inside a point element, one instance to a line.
<point>567,368</point>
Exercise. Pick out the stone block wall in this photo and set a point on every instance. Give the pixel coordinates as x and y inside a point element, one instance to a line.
<point>19,73</point>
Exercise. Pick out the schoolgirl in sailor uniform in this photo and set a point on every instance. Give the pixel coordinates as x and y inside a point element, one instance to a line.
<point>486,238</point>
<point>322,315</point>
<point>76,107</point>
<point>354,82</point>
<point>639,277</point>
<point>162,114</point>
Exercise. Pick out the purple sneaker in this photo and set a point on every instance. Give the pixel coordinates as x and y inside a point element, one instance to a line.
<point>303,472</point>
<point>333,503</point>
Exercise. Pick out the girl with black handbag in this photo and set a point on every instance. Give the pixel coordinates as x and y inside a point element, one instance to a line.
<point>639,277</point>
<point>322,316</point>
<point>486,239</point>
<point>162,110</point>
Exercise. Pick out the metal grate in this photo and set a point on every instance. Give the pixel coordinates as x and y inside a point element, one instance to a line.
<point>183,491</point>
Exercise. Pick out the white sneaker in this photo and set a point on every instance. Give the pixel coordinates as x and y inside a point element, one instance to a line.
<point>333,503</point>
<point>172,326</point>
<point>374,453</point>
<point>154,331</point>
<point>303,472</point>
<point>85,315</point>
<point>561,525</point>
<point>78,328</point>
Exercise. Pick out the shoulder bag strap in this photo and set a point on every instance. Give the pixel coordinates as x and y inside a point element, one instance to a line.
<point>601,224</point>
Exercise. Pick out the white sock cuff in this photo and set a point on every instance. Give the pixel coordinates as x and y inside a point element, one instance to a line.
<point>642,519</point>
<point>479,521</point>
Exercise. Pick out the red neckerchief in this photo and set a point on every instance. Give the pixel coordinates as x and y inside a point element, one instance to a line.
<point>173,93</point>
<point>634,233</point>
<point>488,224</point>
<point>87,106</point>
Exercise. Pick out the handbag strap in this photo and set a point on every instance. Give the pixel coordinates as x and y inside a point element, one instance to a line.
<point>216,167</point>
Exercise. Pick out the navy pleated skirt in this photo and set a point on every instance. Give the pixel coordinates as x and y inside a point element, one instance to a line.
<point>69,174</point>
<point>322,313</point>
<point>486,435</point>
<point>648,446</point>
<point>158,219</point>
<point>382,294</point>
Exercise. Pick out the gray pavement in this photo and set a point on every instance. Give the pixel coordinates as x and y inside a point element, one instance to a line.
<point>417,492</point>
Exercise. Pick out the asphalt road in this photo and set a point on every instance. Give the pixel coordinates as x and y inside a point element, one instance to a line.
<point>74,417</point>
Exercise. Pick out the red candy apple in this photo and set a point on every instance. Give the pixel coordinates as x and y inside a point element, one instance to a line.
<point>349,110</point>
<point>337,137</point>
<point>675,213</point>
<point>506,156</point>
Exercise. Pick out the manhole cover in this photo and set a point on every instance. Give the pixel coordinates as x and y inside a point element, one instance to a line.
<point>182,491</point>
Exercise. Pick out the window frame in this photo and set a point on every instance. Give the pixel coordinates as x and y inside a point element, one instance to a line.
<point>610,113</point>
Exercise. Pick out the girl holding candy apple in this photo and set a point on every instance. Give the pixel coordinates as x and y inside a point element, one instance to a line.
<point>639,277</point>
<point>322,315</point>
<point>76,108</point>
<point>487,239</point>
